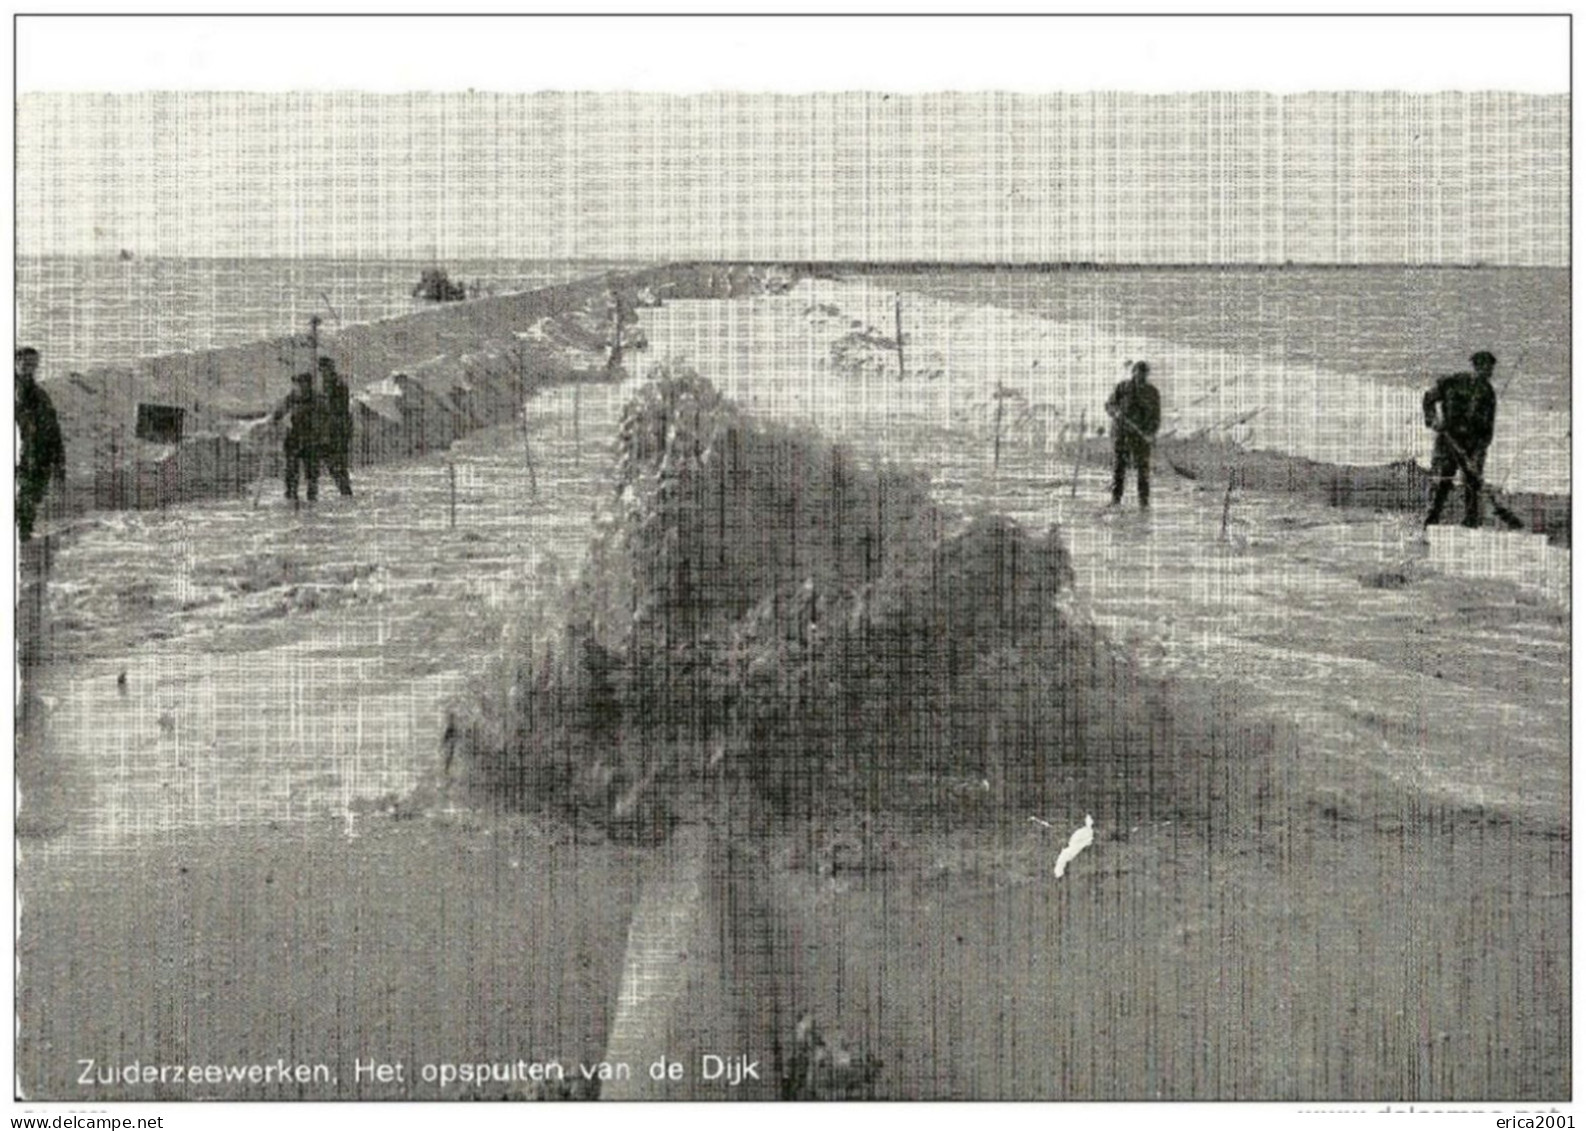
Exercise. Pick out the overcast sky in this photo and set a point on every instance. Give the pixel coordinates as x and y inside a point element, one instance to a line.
<point>1107,176</point>
<point>1115,177</point>
<point>1441,172</point>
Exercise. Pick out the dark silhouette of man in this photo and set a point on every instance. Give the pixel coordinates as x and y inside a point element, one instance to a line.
<point>1136,410</point>
<point>335,424</point>
<point>301,446</point>
<point>43,450</point>
<point>1462,409</point>
<point>619,308</point>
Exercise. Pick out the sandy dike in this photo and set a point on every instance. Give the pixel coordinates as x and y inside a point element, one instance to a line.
<point>957,353</point>
<point>1371,902</point>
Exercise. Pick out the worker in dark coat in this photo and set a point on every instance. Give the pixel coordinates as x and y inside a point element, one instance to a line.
<point>335,424</point>
<point>620,311</point>
<point>301,446</point>
<point>1462,409</point>
<point>43,450</point>
<point>1136,411</point>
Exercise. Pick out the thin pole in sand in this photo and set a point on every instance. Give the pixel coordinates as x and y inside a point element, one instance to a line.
<point>258,481</point>
<point>1228,499</point>
<point>1079,451</point>
<point>996,436</point>
<point>313,379</point>
<point>451,474</point>
<point>523,418</point>
<point>897,311</point>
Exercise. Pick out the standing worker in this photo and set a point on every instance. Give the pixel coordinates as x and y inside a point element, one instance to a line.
<point>43,450</point>
<point>1462,409</point>
<point>301,446</point>
<point>620,310</point>
<point>1136,411</point>
<point>335,424</point>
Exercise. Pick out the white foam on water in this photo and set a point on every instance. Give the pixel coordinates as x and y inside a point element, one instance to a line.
<point>1077,843</point>
<point>776,352</point>
<point>311,674</point>
<point>1184,600</point>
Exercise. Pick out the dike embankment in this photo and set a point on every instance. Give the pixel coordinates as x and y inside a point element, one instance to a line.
<point>187,426</point>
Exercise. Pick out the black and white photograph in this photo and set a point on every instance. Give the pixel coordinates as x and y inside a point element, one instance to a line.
<point>792,557</point>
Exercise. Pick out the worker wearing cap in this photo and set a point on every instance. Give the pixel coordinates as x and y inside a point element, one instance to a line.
<point>43,451</point>
<point>334,433</point>
<point>1136,410</point>
<point>301,445</point>
<point>1462,409</point>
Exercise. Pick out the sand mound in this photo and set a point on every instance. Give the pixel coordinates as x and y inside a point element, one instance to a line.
<point>758,606</point>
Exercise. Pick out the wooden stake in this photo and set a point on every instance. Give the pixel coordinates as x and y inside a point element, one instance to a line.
<point>258,484</point>
<point>996,440</point>
<point>1228,499</point>
<point>451,472</point>
<point>903,370</point>
<point>1079,451</point>
<point>523,418</point>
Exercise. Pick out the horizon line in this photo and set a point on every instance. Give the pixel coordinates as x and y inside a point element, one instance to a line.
<point>838,261</point>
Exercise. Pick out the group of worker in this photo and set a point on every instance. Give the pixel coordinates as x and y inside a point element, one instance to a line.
<point>1461,408</point>
<point>318,432</point>
<point>318,435</point>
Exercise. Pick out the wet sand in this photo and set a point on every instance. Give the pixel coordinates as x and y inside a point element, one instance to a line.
<point>1366,896</point>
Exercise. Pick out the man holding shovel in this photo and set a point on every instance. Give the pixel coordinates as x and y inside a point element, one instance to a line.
<point>1136,411</point>
<point>1462,409</point>
<point>43,451</point>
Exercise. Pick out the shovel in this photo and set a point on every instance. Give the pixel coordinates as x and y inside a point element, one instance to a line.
<point>1505,515</point>
<point>1183,473</point>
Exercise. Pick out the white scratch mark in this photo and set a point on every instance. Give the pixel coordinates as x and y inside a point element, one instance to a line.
<point>1043,824</point>
<point>1076,844</point>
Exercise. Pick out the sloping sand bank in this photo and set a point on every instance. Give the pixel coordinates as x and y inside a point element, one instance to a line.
<point>826,350</point>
